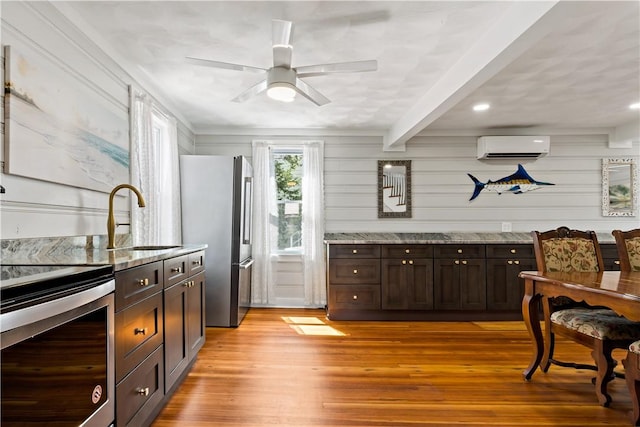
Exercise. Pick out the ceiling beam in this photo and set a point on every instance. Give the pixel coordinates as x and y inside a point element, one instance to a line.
<point>519,28</point>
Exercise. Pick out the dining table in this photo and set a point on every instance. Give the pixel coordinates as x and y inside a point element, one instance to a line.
<point>617,290</point>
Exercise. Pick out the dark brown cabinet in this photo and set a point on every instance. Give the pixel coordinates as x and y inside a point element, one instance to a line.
<point>184,326</point>
<point>459,277</point>
<point>138,343</point>
<point>438,281</point>
<point>354,275</point>
<point>504,288</point>
<point>610,256</point>
<point>407,277</point>
<point>159,328</point>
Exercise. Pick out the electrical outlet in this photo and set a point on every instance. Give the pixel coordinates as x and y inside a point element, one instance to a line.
<point>506,227</point>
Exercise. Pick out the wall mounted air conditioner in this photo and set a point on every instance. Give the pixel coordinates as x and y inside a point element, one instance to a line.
<point>512,147</point>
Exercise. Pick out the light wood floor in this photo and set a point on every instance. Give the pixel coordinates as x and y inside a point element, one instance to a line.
<point>268,372</point>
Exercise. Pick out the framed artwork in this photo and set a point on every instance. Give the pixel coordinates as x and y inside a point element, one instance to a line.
<point>61,128</point>
<point>619,187</point>
<point>394,188</point>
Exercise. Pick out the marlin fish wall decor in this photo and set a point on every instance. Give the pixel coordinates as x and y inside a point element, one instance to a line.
<point>517,183</point>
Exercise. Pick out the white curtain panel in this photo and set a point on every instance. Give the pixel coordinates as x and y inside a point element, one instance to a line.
<point>155,172</point>
<point>313,224</point>
<point>143,161</point>
<point>264,228</point>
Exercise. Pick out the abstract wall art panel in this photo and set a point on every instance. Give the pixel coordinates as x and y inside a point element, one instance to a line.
<point>59,127</point>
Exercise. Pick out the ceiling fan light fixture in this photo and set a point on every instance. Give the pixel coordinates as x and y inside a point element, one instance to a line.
<point>281,91</point>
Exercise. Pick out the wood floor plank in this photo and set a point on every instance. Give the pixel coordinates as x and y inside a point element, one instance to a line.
<point>268,373</point>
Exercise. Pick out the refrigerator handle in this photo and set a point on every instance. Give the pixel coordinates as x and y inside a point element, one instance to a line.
<point>246,264</point>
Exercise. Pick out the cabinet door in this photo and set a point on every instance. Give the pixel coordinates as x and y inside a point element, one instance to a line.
<point>407,284</point>
<point>446,289</point>
<point>176,351</point>
<point>195,320</point>
<point>505,289</point>
<point>473,284</point>
<point>460,284</point>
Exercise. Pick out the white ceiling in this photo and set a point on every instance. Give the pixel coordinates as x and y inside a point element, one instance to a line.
<point>570,64</point>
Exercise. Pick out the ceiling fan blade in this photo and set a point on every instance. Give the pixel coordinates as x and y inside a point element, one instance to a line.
<point>224,65</point>
<point>252,91</point>
<point>281,39</point>
<point>281,32</point>
<point>340,67</point>
<point>310,93</point>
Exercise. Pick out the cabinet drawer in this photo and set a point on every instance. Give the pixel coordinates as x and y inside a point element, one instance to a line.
<point>364,297</point>
<point>404,251</point>
<point>196,263</point>
<point>137,283</point>
<point>510,251</point>
<point>362,271</point>
<point>139,332</point>
<point>139,394</point>
<point>458,251</point>
<point>175,270</point>
<point>354,251</point>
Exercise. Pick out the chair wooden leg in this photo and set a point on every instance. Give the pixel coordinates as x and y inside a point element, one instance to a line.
<point>632,375</point>
<point>602,356</point>
<point>549,337</point>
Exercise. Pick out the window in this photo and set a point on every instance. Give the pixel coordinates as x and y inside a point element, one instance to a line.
<point>287,167</point>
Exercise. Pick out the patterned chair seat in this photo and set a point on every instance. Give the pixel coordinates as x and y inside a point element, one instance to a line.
<point>635,347</point>
<point>602,324</point>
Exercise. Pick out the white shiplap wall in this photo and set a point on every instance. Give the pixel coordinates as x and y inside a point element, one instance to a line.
<point>33,208</point>
<point>441,188</point>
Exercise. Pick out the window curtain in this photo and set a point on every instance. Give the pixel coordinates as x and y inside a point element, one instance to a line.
<point>313,224</point>
<point>154,171</point>
<point>265,230</point>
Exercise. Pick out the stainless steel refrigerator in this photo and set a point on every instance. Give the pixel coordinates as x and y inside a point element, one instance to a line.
<point>216,209</point>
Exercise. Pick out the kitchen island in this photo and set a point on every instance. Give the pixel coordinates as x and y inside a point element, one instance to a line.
<point>431,276</point>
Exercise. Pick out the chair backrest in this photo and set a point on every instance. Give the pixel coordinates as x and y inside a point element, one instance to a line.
<point>628,244</point>
<point>567,250</point>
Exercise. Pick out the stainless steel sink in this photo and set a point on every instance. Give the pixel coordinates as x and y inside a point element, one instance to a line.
<point>153,248</point>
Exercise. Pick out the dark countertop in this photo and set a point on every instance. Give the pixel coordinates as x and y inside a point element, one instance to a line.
<point>85,250</point>
<point>435,238</point>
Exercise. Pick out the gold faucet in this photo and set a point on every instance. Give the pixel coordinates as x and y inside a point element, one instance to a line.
<point>111,220</point>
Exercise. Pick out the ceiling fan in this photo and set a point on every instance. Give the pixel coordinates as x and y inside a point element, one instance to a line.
<point>282,81</point>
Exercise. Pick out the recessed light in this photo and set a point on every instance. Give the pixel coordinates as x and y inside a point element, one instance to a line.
<point>635,106</point>
<point>480,107</point>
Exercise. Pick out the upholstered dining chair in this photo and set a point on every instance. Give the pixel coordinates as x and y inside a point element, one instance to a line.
<point>632,373</point>
<point>628,244</point>
<point>598,328</point>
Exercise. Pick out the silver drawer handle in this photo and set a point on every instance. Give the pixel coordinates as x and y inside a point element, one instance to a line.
<point>411,262</point>
<point>464,262</point>
<point>355,297</point>
<point>510,262</point>
<point>513,251</point>
<point>176,270</point>
<point>355,251</point>
<point>140,331</point>
<point>516,262</point>
<point>143,282</point>
<point>197,262</point>
<point>143,391</point>
<point>456,262</point>
<point>189,284</point>
<point>355,271</point>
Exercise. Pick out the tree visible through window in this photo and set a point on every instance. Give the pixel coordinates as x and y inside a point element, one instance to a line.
<point>288,174</point>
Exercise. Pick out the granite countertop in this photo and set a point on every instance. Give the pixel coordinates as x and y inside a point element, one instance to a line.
<point>85,250</point>
<point>435,238</point>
